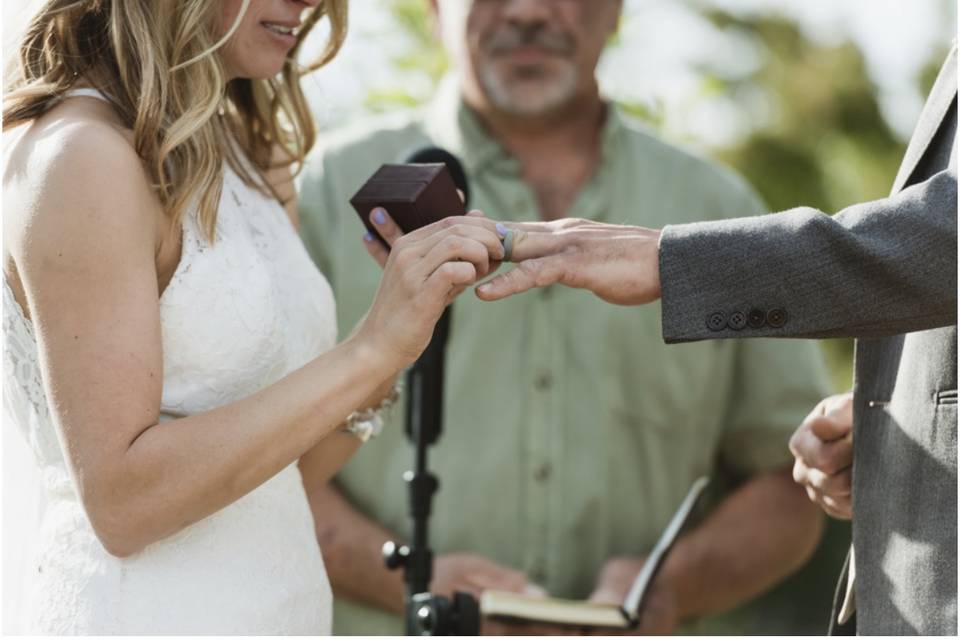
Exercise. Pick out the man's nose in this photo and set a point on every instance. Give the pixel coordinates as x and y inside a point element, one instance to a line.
<point>527,11</point>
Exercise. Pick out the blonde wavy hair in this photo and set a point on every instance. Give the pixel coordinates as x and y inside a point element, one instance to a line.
<point>155,61</point>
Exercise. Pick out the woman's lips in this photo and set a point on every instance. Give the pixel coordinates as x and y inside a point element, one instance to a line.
<point>285,33</point>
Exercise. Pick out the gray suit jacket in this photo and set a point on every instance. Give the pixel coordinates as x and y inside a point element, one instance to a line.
<point>884,272</point>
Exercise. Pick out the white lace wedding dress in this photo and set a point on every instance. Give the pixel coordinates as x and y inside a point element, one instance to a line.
<point>237,316</point>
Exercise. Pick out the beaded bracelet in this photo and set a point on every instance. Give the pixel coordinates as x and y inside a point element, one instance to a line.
<point>367,424</point>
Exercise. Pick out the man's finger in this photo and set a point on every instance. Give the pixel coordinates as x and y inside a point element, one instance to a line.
<point>840,508</point>
<point>528,245</point>
<point>540,272</point>
<point>494,576</point>
<point>800,471</point>
<point>831,457</point>
<point>604,595</point>
<point>829,428</point>
<point>837,484</point>
<point>839,406</point>
<point>837,515</point>
<point>806,446</point>
<point>835,506</point>
<point>827,456</point>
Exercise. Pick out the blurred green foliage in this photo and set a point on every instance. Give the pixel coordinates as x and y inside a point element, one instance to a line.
<point>826,145</point>
<point>820,140</point>
<point>424,56</point>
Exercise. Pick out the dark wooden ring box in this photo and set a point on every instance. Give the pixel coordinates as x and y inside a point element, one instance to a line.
<point>414,195</point>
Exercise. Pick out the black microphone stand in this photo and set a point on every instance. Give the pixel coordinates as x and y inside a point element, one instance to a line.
<point>426,614</point>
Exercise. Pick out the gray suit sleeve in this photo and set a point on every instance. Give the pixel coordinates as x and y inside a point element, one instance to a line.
<point>874,269</point>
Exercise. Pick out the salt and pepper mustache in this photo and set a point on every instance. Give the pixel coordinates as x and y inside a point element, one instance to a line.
<point>506,90</point>
<point>512,37</point>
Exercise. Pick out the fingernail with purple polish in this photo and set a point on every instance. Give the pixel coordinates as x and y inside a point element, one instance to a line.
<point>379,216</point>
<point>368,237</point>
<point>501,230</point>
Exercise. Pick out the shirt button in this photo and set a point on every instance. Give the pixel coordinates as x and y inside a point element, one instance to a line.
<point>737,321</point>
<point>544,381</point>
<point>776,318</point>
<point>542,472</point>
<point>716,321</point>
<point>756,318</point>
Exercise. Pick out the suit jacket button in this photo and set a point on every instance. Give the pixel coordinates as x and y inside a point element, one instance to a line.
<point>717,321</point>
<point>737,321</point>
<point>756,318</point>
<point>776,318</point>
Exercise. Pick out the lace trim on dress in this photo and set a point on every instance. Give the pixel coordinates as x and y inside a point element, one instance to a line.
<point>20,351</point>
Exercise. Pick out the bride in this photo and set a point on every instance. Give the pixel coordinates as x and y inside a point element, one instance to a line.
<point>169,347</point>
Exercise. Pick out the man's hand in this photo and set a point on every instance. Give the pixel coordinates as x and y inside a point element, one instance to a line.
<point>823,448</point>
<point>659,615</point>
<point>472,573</point>
<point>620,264</point>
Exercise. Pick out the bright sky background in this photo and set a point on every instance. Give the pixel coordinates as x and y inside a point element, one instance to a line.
<point>659,40</point>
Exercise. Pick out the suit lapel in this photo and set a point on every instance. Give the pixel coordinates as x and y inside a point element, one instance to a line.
<point>941,97</point>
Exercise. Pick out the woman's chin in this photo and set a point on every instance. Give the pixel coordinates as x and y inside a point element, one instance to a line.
<point>262,71</point>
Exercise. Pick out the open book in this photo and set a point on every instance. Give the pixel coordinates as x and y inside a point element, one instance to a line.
<point>515,606</point>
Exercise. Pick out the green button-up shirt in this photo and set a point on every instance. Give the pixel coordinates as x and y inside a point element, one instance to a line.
<point>572,432</point>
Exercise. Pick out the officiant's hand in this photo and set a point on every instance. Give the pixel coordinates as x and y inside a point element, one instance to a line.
<point>659,615</point>
<point>473,574</point>
<point>423,272</point>
<point>620,264</point>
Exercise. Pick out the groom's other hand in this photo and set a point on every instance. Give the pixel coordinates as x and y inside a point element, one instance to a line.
<point>823,450</point>
<point>620,264</point>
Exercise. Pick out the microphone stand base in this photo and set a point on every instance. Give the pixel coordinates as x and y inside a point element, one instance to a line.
<point>432,615</point>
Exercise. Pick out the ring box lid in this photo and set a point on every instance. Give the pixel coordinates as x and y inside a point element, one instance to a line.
<point>414,195</point>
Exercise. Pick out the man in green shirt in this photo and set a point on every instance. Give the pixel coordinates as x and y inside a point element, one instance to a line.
<point>563,455</point>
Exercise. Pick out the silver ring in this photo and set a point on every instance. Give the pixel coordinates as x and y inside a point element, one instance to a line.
<point>508,245</point>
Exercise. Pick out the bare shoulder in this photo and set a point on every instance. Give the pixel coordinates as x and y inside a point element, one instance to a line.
<point>72,176</point>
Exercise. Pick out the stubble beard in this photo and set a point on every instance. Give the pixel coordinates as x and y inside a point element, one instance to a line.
<point>511,97</point>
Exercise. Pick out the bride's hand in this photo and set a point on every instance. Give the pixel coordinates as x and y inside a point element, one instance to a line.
<point>423,272</point>
<point>389,228</point>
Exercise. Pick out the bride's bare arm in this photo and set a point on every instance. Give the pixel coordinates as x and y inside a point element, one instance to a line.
<point>80,226</point>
